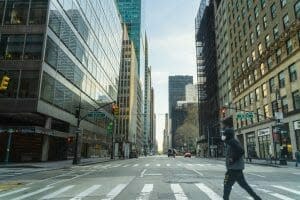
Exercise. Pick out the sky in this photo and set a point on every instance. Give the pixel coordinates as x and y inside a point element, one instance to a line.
<point>170,27</point>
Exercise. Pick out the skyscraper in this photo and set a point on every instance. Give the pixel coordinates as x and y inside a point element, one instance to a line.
<point>131,12</point>
<point>176,93</point>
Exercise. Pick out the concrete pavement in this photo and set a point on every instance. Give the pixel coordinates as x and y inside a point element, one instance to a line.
<point>152,178</point>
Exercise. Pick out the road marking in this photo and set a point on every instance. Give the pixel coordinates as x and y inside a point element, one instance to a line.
<point>143,172</point>
<point>158,165</point>
<point>13,192</point>
<point>198,172</point>
<point>179,165</point>
<point>286,189</point>
<point>168,165</point>
<point>257,175</point>
<point>146,191</point>
<point>114,192</point>
<point>153,174</point>
<point>296,173</point>
<point>211,194</point>
<point>147,165</point>
<point>65,180</point>
<point>178,192</point>
<point>189,164</point>
<point>125,165</point>
<point>86,192</point>
<point>279,196</point>
<point>135,165</point>
<point>116,166</point>
<point>33,193</point>
<point>58,192</point>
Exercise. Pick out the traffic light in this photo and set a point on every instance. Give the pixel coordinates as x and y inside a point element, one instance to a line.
<point>115,109</point>
<point>70,140</point>
<point>223,112</point>
<point>4,82</point>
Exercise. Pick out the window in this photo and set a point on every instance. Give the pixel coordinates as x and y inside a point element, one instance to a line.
<point>257,94</point>
<point>259,115</point>
<point>251,38</point>
<point>286,21</point>
<point>284,104</point>
<point>289,46</point>
<point>283,3</point>
<point>250,21</point>
<point>276,32</point>
<point>267,40</point>
<point>29,84</point>
<point>272,84</point>
<point>248,61</point>
<point>281,78</point>
<point>256,12</point>
<point>243,12</point>
<point>257,30</point>
<point>267,111</point>
<point>38,11</point>
<point>296,100</point>
<point>11,47</point>
<point>33,47</point>
<point>253,56</point>
<point>265,20</point>
<point>264,90</point>
<point>252,97</point>
<point>255,74</point>
<point>278,56</point>
<point>293,72</point>
<point>273,10</point>
<point>270,62</point>
<point>297,10</point>
<point>2,4</point>
<point>274,107</point>
<point>262,68</point>
<point>249,3</point>
<point>263,3</point>
<point>246,45</point>
<point>16,12</point>
<point>246,100</point>
<point>260,48</point>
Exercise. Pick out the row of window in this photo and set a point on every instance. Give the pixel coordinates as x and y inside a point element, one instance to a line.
<point>21,47</point>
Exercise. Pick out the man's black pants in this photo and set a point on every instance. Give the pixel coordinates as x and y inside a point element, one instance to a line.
<point>231,177</point>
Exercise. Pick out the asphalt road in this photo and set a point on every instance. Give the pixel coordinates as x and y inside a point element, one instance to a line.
<point>156,177</point>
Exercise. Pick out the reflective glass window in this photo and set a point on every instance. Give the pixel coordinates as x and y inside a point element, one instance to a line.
<point>293,72</point>
<point>55,19</point>
<point>16,11</point>
<point>29,84</point>
<point>281,77</point>
<point>38,11</point>
<point>51,56</point>
<point>296,100</point>
<point>33,47</point>
<point>297,10</point>
<point>11,47</point>
<point>47,91</point>
<point>2,5</point>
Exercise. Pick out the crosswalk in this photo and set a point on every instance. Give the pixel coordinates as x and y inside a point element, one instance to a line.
<point>179,191</point>
<point>158,165</point>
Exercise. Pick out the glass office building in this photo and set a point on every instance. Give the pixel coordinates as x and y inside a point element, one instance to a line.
<point>131,12</point>
<point>58,54</point>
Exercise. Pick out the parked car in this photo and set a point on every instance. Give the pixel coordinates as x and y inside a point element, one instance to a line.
<point>133,154</point>
<point>188,154</point>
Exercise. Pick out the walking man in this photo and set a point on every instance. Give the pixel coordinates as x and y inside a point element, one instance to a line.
<point>297,155</point>
<point>235,165</point>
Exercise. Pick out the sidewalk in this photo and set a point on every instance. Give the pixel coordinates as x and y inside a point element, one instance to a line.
<point>55,164</point>
<point>290,164</point>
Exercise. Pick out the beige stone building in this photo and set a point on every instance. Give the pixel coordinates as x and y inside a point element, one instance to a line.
<point>263,52</point>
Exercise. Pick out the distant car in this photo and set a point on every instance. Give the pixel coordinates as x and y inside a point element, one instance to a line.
<point>171,153</point>
<point>188,154</point>
<point>133,154</point>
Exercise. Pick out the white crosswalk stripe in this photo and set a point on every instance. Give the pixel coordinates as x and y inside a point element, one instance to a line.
<point>58,192</point>
<point>33,193</point>
<point>158,165</point>
<point>209,192</point>
<point>286,189</point>
<point>178,192</point>
<point>146,191</point>
<point>13,192</point>
<point>135,165</point>
<point>147,165</point>
<point>279,196</point>
<point>86,192</point>
<point>168,165</point>
<point>115,192</point>
<point>125,165</point>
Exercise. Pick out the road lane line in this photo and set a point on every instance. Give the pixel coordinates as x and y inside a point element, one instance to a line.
<point>158,165</point>
<point>179,165</point>
<point>116,166</point>
<point>115,192</point>
<point>296,173</point>
<point>58,192</point>
<point>147,165</point>
<point>168,165</point>
<point>257,175</point>
<point>32,193</point>
<point>286,189</point>
<point>178,192</point>
<point>279,196</point>
<point>75,177</point>
<point>86,192</point>
<point>209,192</point>
<point>143,172</point>
<point>153,174</point>
<point>13,192</point>
<point>135,165</point>
<point>198,172</point>
<point>190,164</point>
<point>146,191</point>
<point>125,166</point>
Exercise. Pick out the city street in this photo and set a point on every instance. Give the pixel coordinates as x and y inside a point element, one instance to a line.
<point>155,177</point>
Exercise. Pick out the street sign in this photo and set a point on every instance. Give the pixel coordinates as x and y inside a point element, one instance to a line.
<point>96,114</point>
<point>246,115</point>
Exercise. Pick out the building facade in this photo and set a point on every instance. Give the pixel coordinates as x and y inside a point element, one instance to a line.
<point>176,93</point>
<point>126,133</point>
<point>167,139</point>
<point>263,42</point>
<point>191,93</point>
<point>131,12</point>
<point>59,55</point>
<point>147,110</point>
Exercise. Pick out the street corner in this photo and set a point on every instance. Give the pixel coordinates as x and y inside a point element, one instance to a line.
<point>4,186</point>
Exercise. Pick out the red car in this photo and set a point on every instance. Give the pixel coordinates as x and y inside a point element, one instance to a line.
<point>188,154</point>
